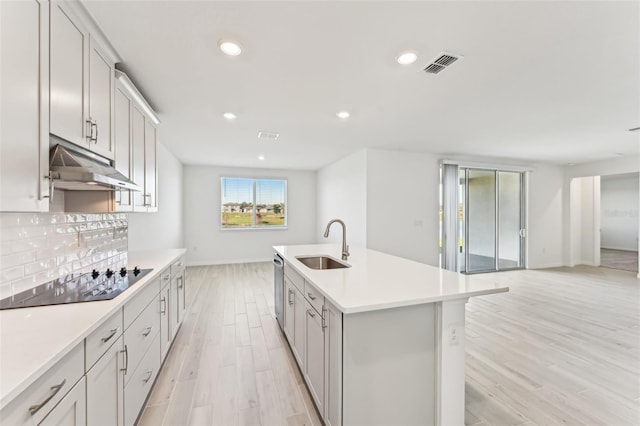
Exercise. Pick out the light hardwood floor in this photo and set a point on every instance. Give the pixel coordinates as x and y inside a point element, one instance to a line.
<point>562,347</point>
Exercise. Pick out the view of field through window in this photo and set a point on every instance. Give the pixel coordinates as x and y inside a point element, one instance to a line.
<point>253,203</point>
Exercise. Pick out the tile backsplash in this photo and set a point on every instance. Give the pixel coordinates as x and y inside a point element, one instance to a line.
<point>39,247</point>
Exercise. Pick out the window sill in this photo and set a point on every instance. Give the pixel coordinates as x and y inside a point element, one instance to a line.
<point>255,228</point>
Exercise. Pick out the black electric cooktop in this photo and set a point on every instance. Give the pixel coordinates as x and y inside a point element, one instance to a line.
<point>76,288</point>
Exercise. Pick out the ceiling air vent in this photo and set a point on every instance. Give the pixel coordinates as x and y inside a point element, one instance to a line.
<point>265,136</point>
<point>441,62</point>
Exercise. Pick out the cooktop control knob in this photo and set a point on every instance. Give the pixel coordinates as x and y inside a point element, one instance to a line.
<point>123,271</point>
<point>136,271</point>
<point>109,273</point>
<point>95,274</point>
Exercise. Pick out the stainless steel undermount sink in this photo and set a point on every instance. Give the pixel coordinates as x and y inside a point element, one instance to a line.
<point>322,262</point>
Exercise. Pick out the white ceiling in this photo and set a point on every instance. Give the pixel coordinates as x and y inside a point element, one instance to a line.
<point>555,82</point>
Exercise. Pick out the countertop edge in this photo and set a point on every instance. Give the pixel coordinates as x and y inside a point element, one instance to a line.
<point>8,396</point>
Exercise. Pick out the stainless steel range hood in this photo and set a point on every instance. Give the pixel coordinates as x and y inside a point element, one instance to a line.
<point>74,168</point>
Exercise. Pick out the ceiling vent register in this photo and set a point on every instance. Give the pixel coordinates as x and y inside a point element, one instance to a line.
<point>443,61</point>
<point>266,136</point>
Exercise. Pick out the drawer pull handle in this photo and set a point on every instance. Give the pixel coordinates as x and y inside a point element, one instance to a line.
<point>147,331</point>
<point>149,374</point>
<point>311,296</point>
<point>324,317</point>
<point>166,277</point>
<point>126,359</point>
<point>35,408</point>
<point>290,299</point>
<point>113,333</point>
<point>310,312</point>
<point>163,310</point>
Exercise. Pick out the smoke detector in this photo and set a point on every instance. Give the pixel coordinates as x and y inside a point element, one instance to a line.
<point>442,61</point>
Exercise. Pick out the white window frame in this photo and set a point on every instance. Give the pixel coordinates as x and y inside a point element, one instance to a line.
<point>255,227</point>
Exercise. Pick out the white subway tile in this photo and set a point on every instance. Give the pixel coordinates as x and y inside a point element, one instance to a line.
<point>28,244</point>
<point>10,274</point>
<point>39,266</point>
<point>17,259</point>
<point>24,284</point>
<point>6,290</point>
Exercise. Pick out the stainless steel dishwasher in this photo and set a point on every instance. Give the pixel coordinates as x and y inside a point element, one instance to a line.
<point>278,282</point>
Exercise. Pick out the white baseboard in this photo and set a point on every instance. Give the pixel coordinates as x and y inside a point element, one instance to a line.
<point>226,261</point>
<point>546,265</point>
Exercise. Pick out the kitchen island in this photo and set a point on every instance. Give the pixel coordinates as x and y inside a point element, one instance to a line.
<point>381,341</point>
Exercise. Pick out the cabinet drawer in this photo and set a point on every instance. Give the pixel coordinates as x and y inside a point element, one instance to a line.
<point>294,276</point>
<point>313,296</point>
<point>134,307</point>
<point>140,335</point>
<point>177,267</point>
<point>139,386</point>
<point>100,340</point>
<point>45,392</point>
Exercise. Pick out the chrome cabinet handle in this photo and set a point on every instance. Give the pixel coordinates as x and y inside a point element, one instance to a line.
<point>324,319</point>
<point>289,297</point>
<point>95,140</point>
<point>310,312</point>
<point>55,389</point>
<point>126,359</point>
<point>147,331</point>
<point>51,188</point>
<point>149,374</point>
<point>113,333</point>
<point>180,282</point>
<point>163,310</point>
<point>166,277</point>
<point>145,199</point>
<point>311,296</point>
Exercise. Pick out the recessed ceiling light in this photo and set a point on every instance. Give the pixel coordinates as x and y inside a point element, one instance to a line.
<point>229,115</point>
<point>260,157</point>
<point>407,57</point>
<point>619,154</point>
<point>343,114</point>
<point>230,47</point>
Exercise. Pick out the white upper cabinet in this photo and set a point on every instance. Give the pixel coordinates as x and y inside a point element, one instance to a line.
<point>81,82</point>
<point>101,79</point>
<point>122,139</point>
<point>150,167</point>
<point>24,102</point>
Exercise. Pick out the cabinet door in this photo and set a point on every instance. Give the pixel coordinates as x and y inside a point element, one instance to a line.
<point>166,335</point>
<point>122,142</point>
<point>137,150</point>
<point>332,365</point>
<point>299,326</point>
<point>105,388</point>
<point>24,131</point>
<point>289,311</point>
<point>67,67</point>
<point>182,301</point>
<point>314,355</point>
<point>173,306</point>
<point>101,78</point>
<point>150,167</point>
<point>71,410</point>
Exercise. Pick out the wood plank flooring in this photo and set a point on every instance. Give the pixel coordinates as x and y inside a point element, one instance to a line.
<point>619,259</point>
<point>562,347</point>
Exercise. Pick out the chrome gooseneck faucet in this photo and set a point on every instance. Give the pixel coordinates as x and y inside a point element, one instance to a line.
<point>345,247</point>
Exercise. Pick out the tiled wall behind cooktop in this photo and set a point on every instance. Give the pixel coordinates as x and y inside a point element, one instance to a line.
<point>39,247</point>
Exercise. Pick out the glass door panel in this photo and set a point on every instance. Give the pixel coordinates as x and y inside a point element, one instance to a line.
<point>509,220</point>
<point>481,220</point>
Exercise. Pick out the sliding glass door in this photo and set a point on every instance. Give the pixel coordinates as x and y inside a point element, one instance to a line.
<point>491,220</point>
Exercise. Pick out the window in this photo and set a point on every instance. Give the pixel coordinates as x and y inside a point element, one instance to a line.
<point>252,203</point>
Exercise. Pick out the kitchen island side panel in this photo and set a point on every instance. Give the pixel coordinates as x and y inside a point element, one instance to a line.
<point>389,362</point>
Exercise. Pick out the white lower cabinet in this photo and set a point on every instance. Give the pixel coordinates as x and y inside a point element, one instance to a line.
<point>313,327</point>
<point>166,334</point>
<point>314,355</point>
<point>105,388</point>
<point>72,410</point>
<point>332,365</point>
<point>140,382</point>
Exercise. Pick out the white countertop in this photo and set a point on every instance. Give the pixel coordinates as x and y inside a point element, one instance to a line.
<point>377,280</point>
<point>33,339</point>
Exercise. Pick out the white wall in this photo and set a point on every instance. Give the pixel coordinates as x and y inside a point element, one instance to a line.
<point>545,217</point>
<point>207,244</point>
<point>164,229</point>
<point>619,212</point>
<point>585,239</point>
<point>402,204</point>
<point>342,194</point>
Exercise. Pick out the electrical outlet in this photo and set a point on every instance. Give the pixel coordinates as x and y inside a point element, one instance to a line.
<point>454,336</point>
